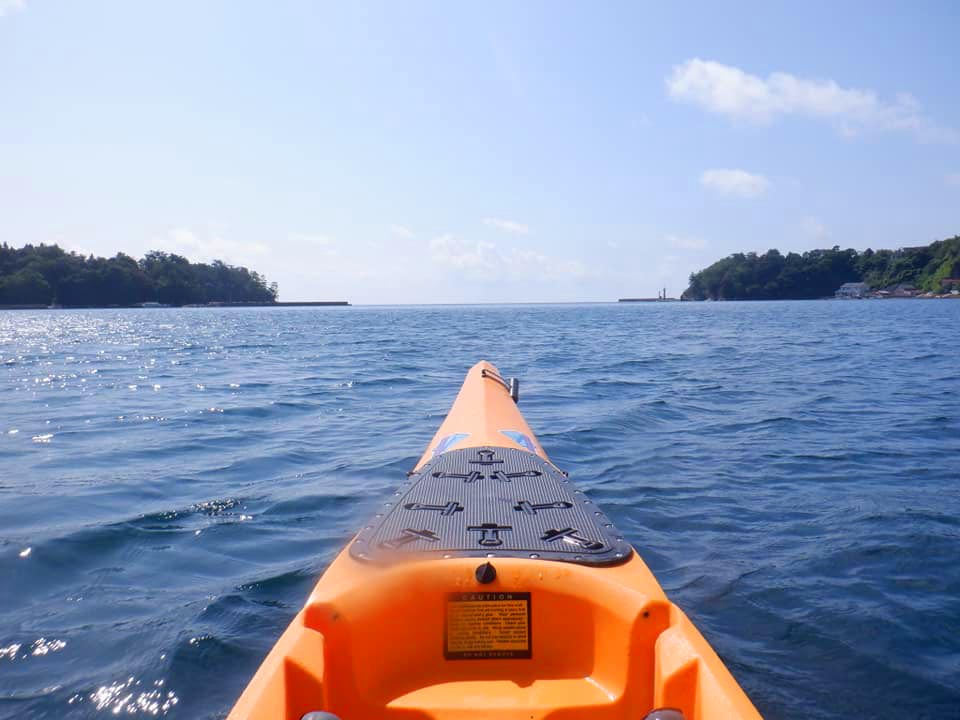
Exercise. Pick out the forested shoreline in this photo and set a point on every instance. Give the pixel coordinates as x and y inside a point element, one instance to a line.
<point>48,275</point>
<point>819,273</point>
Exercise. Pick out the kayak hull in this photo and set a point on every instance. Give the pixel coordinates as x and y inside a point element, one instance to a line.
<point>430,637</point>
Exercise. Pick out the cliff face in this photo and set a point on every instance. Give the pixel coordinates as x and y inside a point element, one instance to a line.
<point>818,273</point>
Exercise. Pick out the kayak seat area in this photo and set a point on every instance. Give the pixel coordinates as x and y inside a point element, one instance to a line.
<point>479,697</point>
<point>597,651</point>
<point>592,643</point>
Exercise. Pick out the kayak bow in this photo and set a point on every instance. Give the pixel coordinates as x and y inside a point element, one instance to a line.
<point>488,586</point>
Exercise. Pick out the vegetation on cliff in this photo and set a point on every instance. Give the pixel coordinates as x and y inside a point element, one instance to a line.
<point>818,273</point>
<point>46,274</point>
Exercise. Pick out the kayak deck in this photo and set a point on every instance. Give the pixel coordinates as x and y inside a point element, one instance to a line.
<point>491,502</point>
<point>488,586</point>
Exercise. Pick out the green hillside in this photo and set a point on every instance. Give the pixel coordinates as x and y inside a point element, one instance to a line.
<point>818,273</point>
<point>46,274</point>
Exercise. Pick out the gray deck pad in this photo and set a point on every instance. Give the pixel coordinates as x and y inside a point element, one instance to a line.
<point>490,502</point>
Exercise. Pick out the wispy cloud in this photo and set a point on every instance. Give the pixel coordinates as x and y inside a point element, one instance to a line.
<point>8,7</point>
<point>487,259</point>
<point>450,251</point>
<point>204,247</point>
<point>686,242</point>
<point>814,228</point>
<point>741,183</point>
<point>730,91</point>
<point>402,231</point>
<point>508,226</point>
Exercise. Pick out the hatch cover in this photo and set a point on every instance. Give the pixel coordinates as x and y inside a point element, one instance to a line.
<point>490,502</point>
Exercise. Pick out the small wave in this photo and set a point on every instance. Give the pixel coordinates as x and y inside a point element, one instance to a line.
<point>787,470</point>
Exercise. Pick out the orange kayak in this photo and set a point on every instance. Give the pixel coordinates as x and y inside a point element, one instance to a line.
<point>489,586</point>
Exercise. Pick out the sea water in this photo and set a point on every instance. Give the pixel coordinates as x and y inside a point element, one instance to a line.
<point>173,482</point>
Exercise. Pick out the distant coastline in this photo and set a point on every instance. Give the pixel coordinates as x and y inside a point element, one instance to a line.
<point>648,299</point>
<point>153,306</point>
<point>924,271</point>
<point>46,276</point>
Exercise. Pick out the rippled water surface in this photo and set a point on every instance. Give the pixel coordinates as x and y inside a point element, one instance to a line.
<point>172,482</point>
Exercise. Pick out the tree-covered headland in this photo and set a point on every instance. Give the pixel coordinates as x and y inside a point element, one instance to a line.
<point>818,273</point>
<point>48,275</point>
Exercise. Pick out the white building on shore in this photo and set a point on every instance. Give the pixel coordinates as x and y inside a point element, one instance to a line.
<point>852,290</point>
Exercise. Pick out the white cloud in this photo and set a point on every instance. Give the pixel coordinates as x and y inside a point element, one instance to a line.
<point>322,257</point>
<point>205,247</point>
<point>486,259</point>
<point>523,262</point>
<point>455,253</point>
<point>686,242</point>
<point>735,182</point>
<point>8,7</point>
<point>730,91</point>
<point>952,179</point>
<point>508,226</point>
<point>402,231</point>
<point>814,228</point>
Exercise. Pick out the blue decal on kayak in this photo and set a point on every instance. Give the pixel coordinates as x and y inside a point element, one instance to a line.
<point>520,439</point>
<point>448,442</point>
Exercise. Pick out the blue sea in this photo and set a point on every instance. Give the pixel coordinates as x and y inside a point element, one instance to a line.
<point>174,481</point>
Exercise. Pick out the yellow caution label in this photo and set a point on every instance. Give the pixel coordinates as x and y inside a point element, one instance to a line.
<point>487,626</point>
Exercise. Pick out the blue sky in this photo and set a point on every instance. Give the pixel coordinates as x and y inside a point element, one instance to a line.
<point>440,152</point>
